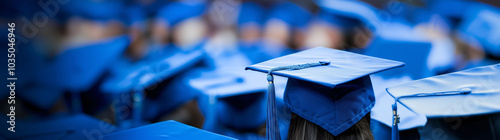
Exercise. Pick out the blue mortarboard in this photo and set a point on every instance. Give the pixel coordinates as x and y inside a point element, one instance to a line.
<point>94,10</point>
<point>236,96</point>
<point>143,75</point>
<point>315,72</point>
<point>75,70</point>
<point>353,9</point>
<point>77,127</point>
<point>470,92</point>
<point>291,13</point>
<point>399,43</point>
<point>482,22</point>
<point>250,12</point>
<point>132,15</point>
<point>343,23</point>
<point>454,8</point>
<point>165,130</point>
<point>176,12</point>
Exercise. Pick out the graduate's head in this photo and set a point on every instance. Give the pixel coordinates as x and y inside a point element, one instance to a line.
<point>302,129</point>
<point>180,23</point>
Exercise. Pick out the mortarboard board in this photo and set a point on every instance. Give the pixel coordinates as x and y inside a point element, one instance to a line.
<point>165,130</point>
<point>176,12</point>
<point>236,97</point>
<point>481,21</point>
<point>77,127</point>
<point>314,72</point>
<point>459,95</point>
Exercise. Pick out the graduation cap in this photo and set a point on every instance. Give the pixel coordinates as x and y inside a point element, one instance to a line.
<point>176,12</point>
<point>462,95</point>
<point>314,72</point>
<point>290,13</point>
<point>165,130</point>
<point>77,127</point>
<point>250,12</point>
<point>481,22</point>
<point>354,10</point>
<point>75,70</point>
<point>134,15</point>
<point>399,43</point>
<point>232,97</point>
<point>94,10</point>
<point>141,76</point>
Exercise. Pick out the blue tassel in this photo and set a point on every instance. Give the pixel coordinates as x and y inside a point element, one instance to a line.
<point>272,126</point>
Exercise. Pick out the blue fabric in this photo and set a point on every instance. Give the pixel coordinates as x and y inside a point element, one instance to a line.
<point>176,12</point>
<point>77,127</point>
<point>481,21</point>
<point>165,130</point>
<point>347,102</point>
<point>483,99</point>
<point>325,94</point>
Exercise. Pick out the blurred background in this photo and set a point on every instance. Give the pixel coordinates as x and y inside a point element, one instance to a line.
<point>129,63</point>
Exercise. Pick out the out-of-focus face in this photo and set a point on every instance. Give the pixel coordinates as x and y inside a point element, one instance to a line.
<point>81,30</point>
<point>277,31</point>
<point>249,32</point>
<point>160,31</point>
<point>189,32</point>
<point>321,34</point>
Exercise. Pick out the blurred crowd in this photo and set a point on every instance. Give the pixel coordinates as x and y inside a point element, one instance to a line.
<point>230,34</point>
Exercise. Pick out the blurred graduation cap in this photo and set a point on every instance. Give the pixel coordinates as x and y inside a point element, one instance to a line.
<point>94,10</point>
<point>176,12</point>
<point>165,130</point>
<point>353,10</point>
<point>75,70</point>
<point>77,127</point>
<point>290,13</point>
<point>328,87</point>
<point>134,16</point>
<point>482,22</point>
<point>459,105</point>
<point>454,8</point>
<point>400,44</point>
<point>234,97</point>
<point>148,74</point>
<point>250,12</point>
